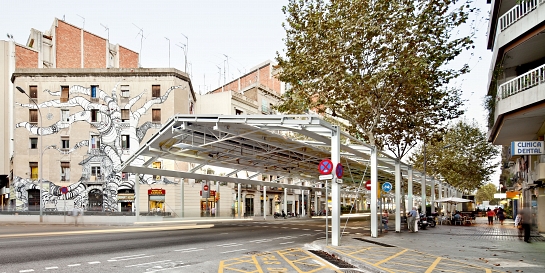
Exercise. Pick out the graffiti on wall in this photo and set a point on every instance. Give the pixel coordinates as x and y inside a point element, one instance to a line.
<point>104,114</point>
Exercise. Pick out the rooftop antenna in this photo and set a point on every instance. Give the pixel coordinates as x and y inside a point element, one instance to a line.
<point>184,48</point>
<point>141,33</point>
<point>227,57</point>
<point>83,21</point>
<point>168,51</point>
<point>10,36</point>
<point>106,29</point>
<point>219,79</point>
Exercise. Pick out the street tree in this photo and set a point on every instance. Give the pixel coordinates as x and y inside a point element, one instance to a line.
<point>486,193</point>
<point>379,66</point>
<point>463,157</point>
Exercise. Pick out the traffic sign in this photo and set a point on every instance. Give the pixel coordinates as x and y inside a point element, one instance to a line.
<point>325,166</point>
<point>326,177</point>
<point>368,185</point>
<point>339,170</point>
<point>205,188</point>
<point>64,190</point>
<point>387,186</point>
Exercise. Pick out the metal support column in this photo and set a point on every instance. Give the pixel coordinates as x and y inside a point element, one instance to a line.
<point>239,202</point>
<point>432,196</point>
<point>423,186</point>
<point>182,180</point>
<point>335,188</point>
<point>265,203</point>
<point>137,196</point>
<point>374,191</point>
<point>284,201</point>
<point>410,202</point>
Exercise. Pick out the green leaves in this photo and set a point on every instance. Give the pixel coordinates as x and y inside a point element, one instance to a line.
<point>380,65</point>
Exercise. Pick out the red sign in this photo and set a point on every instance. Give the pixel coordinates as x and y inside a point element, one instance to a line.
<point>368,185</point>
<point>205,187</point>
<point>156,192</point>
<point>64,190</point>
<point>325,167</point>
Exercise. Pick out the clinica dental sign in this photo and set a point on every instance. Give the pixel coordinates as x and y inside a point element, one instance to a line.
<point>527,147</point>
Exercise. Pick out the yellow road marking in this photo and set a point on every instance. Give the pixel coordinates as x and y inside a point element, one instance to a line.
<point>433,265</point>
<point>391,257</point>
<point>257,266</point>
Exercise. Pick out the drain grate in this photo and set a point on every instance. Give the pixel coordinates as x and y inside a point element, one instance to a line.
<point>373,242</point>
<point>331,258</point>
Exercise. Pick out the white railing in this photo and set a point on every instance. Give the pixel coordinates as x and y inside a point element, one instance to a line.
<point>517,12</point>
<point>523,82</point>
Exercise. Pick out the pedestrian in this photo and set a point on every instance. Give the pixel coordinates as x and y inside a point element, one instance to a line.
<point>490,213</point>
<point>412,219</point>
<point>526,220</point>
<point>518,224</point>
<point>385,220</point>
<point>75,213</point>
<point>501,215</point>
<point>496,213</point>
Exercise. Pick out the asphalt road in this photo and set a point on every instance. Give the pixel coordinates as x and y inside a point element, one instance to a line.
<point>148,249</point>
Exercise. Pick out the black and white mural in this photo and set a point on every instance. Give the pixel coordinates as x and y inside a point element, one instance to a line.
<point>103,113</point>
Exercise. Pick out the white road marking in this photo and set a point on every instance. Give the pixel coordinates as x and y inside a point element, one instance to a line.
<point>232,251</point>
<point>27,270</point>
<point>318,230</point>
<point>148,263</point>
<point>260,241</point>
<point>306,234</point>
<point>95,262</point>
<point>225,233</point>
<point>51,267</point>
<point>168,268</point>
<point>72,265</point>
<point>286,243</point>
<point>123,257</point>
<point>306,229</point>
<point>294,228</point>
<point>133,258</point>
<point>230,245</point>
<point>189,250</point>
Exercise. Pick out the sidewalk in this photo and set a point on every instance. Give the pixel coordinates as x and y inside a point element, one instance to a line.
<point>476,248</point>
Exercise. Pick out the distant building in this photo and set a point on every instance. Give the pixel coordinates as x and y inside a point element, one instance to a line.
<point>516,93</point>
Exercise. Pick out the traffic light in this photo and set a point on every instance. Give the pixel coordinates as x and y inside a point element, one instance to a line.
<point>217,196</point>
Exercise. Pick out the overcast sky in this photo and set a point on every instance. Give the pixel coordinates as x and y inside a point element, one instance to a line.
<point>249,32</point>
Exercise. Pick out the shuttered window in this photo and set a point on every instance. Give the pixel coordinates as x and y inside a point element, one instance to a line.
<point>65,171</point>
<point>124,114</point>
<point>33,115</point>
<point>155,91</point>
<point>33,90</point>
<point>33,170</point>
<point>65,93</point>
<point>156,115</point>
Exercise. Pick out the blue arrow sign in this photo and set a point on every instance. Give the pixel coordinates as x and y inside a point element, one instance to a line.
<point>387,186</point>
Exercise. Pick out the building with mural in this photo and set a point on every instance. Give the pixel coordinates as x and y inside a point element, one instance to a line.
<point>517,99</point>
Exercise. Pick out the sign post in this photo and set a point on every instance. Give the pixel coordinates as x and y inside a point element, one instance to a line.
<point>64,190</point>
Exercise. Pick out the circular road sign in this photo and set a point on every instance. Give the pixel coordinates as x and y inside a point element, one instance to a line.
<point>64,190</point>
<point>387,186</point>
<point>339,170</point>
<point>205,187</point>
<point>368,185</point>
<point>325,167</point>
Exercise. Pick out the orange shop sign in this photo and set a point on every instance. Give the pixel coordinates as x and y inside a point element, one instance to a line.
<point>156,192</point>
<point>512,194</point>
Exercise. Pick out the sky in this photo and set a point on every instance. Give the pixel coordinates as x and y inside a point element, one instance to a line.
<point>223,36</point>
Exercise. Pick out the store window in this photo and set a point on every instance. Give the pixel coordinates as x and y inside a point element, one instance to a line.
<point>96,199</point>
<point>156,200</point>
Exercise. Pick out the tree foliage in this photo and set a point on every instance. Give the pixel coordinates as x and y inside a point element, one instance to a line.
<point>462,157</point>
<point>485,193</point>
<point>380,65</point>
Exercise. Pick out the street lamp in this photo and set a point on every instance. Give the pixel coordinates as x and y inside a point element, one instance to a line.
<point>41,151</point>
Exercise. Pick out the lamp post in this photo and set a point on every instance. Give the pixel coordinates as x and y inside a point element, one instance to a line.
<point>41,151</point>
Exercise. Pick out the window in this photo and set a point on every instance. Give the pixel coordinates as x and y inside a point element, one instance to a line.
<point>65,143</point>
<point>95,115</point>
<point>124,115</point>
<point>33,143</point>
<point>33,170</point>
<point>65,171</point>
<point>65,95</point>
<point>125,144</point>
<point>156,165</point>
<point>94,97</point>
<point>156,115</point>
<point>33,90</point>
<point>65,115</point>
<point>33,115</point>
<point>95,172</point>
<point>125,91</point>
<point>191,108</point>
<point>155,91</point>
<point>95,142</point>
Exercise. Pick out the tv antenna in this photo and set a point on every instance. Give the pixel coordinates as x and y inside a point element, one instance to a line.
<point>83,21</point>
<point>106,29</point>
<point>141,33</point>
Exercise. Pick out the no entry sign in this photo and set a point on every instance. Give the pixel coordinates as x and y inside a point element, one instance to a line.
<point>325,166</point>
<point>368,185</point>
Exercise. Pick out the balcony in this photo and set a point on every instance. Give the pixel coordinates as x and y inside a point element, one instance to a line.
<point>523,82</point>
<point>518,11</point>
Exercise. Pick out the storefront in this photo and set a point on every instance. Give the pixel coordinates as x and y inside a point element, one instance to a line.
<point>125,200</point>
<point>156,201</point>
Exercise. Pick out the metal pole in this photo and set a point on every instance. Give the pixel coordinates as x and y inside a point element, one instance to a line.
<point>374,195</point>
<point>326,213</point>
<point>398,195</point>
<point>185,51</point>
<point>264,203</point>
<point>423,206</point>
<point>168,51</point>
<point>335,187</point>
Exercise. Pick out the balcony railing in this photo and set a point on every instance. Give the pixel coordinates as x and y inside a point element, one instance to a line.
<point>523,82</point>
<point>518,12</point>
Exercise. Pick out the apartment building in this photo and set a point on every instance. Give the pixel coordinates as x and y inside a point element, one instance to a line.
<point>517,98</point>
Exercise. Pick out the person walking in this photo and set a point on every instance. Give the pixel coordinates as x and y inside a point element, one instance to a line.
<point>490,213</point>
<point>501,215</point>
<point>526,220</point>
<point>75,213</point>
<point>412,219</point>
<point>385,220</point>
<point>518,224</point>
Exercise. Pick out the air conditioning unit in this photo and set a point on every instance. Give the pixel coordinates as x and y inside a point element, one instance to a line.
<point>540,172</point>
